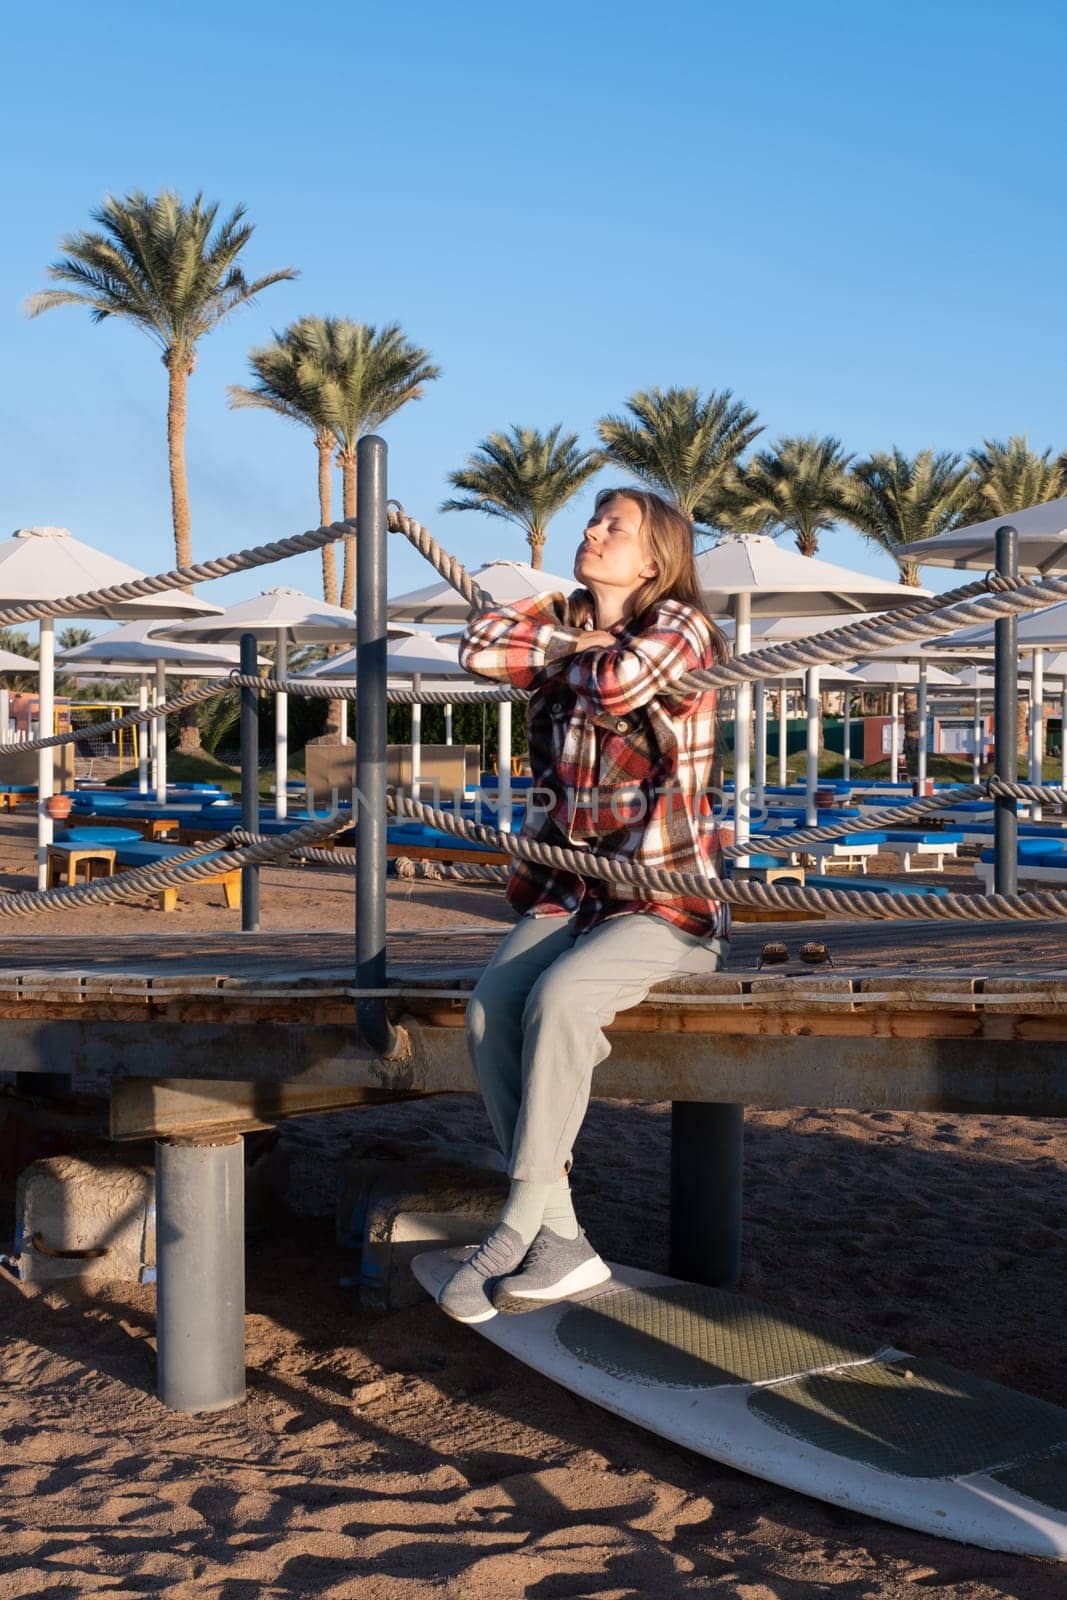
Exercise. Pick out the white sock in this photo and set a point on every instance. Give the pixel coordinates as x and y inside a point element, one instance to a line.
<point>524,1208</point>
<point>559,1211</point>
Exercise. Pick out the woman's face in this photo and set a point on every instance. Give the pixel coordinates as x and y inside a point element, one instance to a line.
<point>613,553</point>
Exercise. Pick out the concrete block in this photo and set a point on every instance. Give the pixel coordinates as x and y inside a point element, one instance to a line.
<point>398,1199</point>
<point>90,1217</point>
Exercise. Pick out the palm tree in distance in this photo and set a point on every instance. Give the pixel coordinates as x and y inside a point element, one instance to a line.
<point>684,446</point>
<point>1009,477</point>
<point>524,477</point>
<point>368,375</point>
<point>797,486</point>
<point>895,501</point>
<point>290,374</point>
<point>157,265</point>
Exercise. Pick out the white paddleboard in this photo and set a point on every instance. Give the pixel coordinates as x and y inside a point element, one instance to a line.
<point>805,1405</point>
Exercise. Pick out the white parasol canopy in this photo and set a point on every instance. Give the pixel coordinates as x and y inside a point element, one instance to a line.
<point>45,563</point>
<point>750,575</point>
<point>1042,534</point>
<point>281,617</point>
<point>130,652</point>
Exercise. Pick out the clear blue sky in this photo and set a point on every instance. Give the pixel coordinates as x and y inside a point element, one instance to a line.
<point>851,215</point>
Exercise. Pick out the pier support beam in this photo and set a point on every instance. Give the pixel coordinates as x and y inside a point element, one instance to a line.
<point>706,1168</point>
<point>200,1267</point>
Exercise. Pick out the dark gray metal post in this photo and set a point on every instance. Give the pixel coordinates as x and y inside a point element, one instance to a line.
<point>369,800</point>
<point>1005,714</point>
<point>249,781</point>
<point>200,1272</point>
<point>707,1158</point>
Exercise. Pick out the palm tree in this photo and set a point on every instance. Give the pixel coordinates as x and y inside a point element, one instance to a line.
<point>682,445</point>
<point>797,486</point>
<point>291,372</point>
<point>369,375</point>
<point>895,501</point>
<point>1009,477</point>
<point>524,477</point>
<point>156,265</point>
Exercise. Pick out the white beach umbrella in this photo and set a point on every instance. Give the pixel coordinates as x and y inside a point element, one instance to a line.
<point>1042,534</point>
<point>43,563</point>
<point>505,581</point>
<point>281,617</point>
<point>130,652</point>
<point>407,660</point>
<point>745,576</point>
<point>896,672</point>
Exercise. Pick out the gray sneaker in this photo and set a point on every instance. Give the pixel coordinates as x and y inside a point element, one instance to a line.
<point>465,1297</point>
<point>554,1269</point>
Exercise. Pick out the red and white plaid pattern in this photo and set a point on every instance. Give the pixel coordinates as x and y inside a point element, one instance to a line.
<point>626,756</point>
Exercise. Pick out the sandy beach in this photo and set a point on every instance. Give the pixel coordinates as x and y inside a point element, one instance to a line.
<point>382,1455</point>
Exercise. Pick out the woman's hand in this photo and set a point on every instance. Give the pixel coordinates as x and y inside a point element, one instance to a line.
<point>597,639</point>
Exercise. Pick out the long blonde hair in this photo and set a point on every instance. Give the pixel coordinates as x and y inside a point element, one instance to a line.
<point>668,534</point>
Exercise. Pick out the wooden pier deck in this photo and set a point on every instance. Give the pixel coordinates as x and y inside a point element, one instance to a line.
<point>927,1016</point>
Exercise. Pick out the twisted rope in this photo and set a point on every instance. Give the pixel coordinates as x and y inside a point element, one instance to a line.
<point>260,555</point>
<point>1043,904</point>
<point>189,867</point>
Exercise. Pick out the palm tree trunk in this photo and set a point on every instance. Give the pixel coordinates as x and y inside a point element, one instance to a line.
<point>178,367</point>
<point>909,574</point>
<point>347,458</point>
<point>536,541</point>
<point>324,443</point>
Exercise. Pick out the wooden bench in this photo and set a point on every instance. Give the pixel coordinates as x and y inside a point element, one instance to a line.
<point>65,859</point>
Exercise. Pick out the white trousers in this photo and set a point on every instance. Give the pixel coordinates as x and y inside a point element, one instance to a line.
<point>535,1022</point>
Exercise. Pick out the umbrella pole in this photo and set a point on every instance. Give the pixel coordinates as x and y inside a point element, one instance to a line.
<point>140,732</point>
<point>923,664</point>
<point>503,766</point>
<point>894,735</point>
<point>742,727</point>
<point>1005,700</point>
<point>1063,735</point>
<point>5,715</point>
<point>846,745</point>
<point>448,724</point>
<point>160,732</point>
<point>45,758</point>
<point>416,738</point>
<point>759,696</point>
<point>976,737</point>
<point>783,732</point>
<point>1037,724</point>
<point>281,727</point>
<point>812,773</point>
<point>249,780</point>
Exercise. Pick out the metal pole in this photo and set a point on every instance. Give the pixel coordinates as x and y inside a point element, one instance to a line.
<point>142,737</point>
<point>846,766</point>
<point>200,1271</point>
<point>1005,701</point>
<point>707,1158</point>
<point>759,698</point>
<point>46,772</point>
<point>159,728</point>
<point>923,665</point>
<point>249,782</point>
<point>812,770</point>
<point>1037,725</point>
<point>894,735</point>
<point>503,766</point>
<point>783,732</point>
<point>5,716</point>
<point>371,735</point>
<point>742,726</point>
<point>281,727</point>
<point>1063,735</point>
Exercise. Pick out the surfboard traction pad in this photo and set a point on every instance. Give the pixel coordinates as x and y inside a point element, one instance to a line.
<point>908,1416</point>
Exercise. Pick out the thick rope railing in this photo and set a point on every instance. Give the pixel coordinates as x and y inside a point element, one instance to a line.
<point>1043,904</point>
<point>260,555</point>
<point>203,861</point>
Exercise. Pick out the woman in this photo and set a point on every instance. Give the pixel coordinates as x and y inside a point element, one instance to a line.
<point>625,758</point>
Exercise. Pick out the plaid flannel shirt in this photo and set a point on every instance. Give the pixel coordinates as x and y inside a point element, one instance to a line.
<point>621,759</point>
